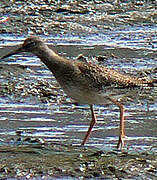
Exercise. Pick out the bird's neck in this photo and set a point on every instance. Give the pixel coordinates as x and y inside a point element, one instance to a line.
<point>52,60</point>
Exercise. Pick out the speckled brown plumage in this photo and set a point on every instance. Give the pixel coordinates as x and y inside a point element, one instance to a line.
<point>108,77</point>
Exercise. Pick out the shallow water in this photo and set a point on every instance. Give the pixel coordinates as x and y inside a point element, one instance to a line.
<point>67,123</point>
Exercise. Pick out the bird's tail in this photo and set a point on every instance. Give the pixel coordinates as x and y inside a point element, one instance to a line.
<point>150,83</point>
<point>154,82</point>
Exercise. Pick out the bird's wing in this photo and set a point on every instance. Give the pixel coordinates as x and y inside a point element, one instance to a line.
<point>109,77</point>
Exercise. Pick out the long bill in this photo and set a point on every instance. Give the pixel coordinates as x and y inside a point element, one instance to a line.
<point>16,51</point>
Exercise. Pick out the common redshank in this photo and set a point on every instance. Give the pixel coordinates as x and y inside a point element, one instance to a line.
<point>87,83</point>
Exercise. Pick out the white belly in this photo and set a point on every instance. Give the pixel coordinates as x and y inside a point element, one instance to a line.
<point>100,98</point>
<point>86,97</point>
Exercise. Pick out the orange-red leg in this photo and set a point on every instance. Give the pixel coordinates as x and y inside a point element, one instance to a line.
<point>121,142</point>
<point>92,123</point>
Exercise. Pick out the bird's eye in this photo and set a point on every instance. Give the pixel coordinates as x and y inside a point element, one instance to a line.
<point>30,44</point>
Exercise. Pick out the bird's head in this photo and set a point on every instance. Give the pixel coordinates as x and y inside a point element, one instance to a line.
<point>31,44</point>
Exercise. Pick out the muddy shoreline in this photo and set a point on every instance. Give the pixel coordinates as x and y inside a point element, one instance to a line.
<point>73,17</point>
<point>63,161</point>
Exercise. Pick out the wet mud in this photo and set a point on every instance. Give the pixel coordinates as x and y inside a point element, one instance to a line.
<point>43,161</point>
<point>75,17</point>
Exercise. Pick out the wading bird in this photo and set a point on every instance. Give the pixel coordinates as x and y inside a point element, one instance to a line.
<point>87,83</point>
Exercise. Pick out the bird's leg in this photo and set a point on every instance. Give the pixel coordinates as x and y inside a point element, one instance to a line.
<point>121,142</point>
<point>92,123</point>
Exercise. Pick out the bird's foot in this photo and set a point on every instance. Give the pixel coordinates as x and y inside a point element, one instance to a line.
<point>121,142</point>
